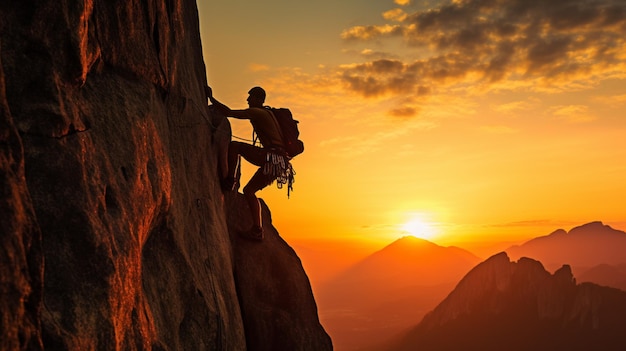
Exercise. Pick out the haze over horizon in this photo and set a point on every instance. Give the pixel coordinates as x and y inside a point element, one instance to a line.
<point>390,290</point>
<point>485,123</point>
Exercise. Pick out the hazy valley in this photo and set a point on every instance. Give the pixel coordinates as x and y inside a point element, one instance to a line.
<point>382,295</point>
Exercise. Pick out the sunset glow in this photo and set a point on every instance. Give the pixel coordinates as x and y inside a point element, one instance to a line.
<point>508,124</point>
<point>419,229</point>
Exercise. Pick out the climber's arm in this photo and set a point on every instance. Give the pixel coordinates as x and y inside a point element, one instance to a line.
<point>240,114</point>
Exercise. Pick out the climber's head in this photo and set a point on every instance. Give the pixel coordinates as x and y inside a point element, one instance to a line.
<point>256,97</point>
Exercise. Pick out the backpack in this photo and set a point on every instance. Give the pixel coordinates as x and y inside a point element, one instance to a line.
<point>288,130</point>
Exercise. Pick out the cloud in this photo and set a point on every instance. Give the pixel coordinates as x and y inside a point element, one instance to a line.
<point>395,15</point>
<point>371,54</point>
<point>613,101</point>
<point>258,67</point>
<point>516,106</point>
<point>572,113</point>
<point>402,2</point>
<point>379,77</point>
<point>403,111</point>
<point>471,48</point>
<point>495,43</point>
<point>536,223</point>
<point>370,32</point>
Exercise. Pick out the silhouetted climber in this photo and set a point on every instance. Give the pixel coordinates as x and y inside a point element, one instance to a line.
<point>271,158</point>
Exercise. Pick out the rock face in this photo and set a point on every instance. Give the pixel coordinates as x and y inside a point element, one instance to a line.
<point>520,306</point>
<point>21,265</point>
<point>114,229</point>
<point>278,309</point>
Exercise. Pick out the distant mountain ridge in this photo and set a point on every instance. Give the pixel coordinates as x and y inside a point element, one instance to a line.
<point>587,246</point>
<point>520,306</point>
<point>606,275</point>
<point>401,282</point>
<point>409,259</point>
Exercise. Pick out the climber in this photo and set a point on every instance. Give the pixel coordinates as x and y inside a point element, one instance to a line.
<point>271,158</point>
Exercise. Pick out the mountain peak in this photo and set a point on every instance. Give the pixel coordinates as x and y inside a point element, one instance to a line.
<point>597,224</point>
<point>498,275</point>
<point>412,240</point>
<point>410,245</point>
<point>582,246</point>
<point>558,232</point>
<point>592,228</point>
<point>587,228</point>
<point>409,259</point>
<point>515,303</point>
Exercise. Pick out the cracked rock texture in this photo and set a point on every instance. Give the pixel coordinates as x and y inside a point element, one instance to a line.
<point>114,230</point>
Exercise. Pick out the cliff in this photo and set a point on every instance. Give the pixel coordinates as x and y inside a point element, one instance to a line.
<point>278,309</point>
<point>115,234</point>
<point>520,306</point>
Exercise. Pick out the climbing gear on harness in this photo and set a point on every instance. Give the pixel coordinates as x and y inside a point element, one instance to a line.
<point>277,166</point>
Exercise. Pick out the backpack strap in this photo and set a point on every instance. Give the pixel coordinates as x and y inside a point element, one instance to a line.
<point>280,130</point>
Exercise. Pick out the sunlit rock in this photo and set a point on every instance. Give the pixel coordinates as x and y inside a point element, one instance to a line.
<point>114,227</point>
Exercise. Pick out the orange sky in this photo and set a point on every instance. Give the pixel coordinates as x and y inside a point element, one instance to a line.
<point>488,122</point>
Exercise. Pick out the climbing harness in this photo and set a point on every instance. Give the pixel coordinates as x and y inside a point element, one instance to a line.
<point>277,165</point>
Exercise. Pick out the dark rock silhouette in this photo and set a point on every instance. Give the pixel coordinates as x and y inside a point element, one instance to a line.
<point>114,228</point>
<point>278,309</point>
<point>520,306</point>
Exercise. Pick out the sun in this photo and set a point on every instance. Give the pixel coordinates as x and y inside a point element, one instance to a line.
<point>418,228</point>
